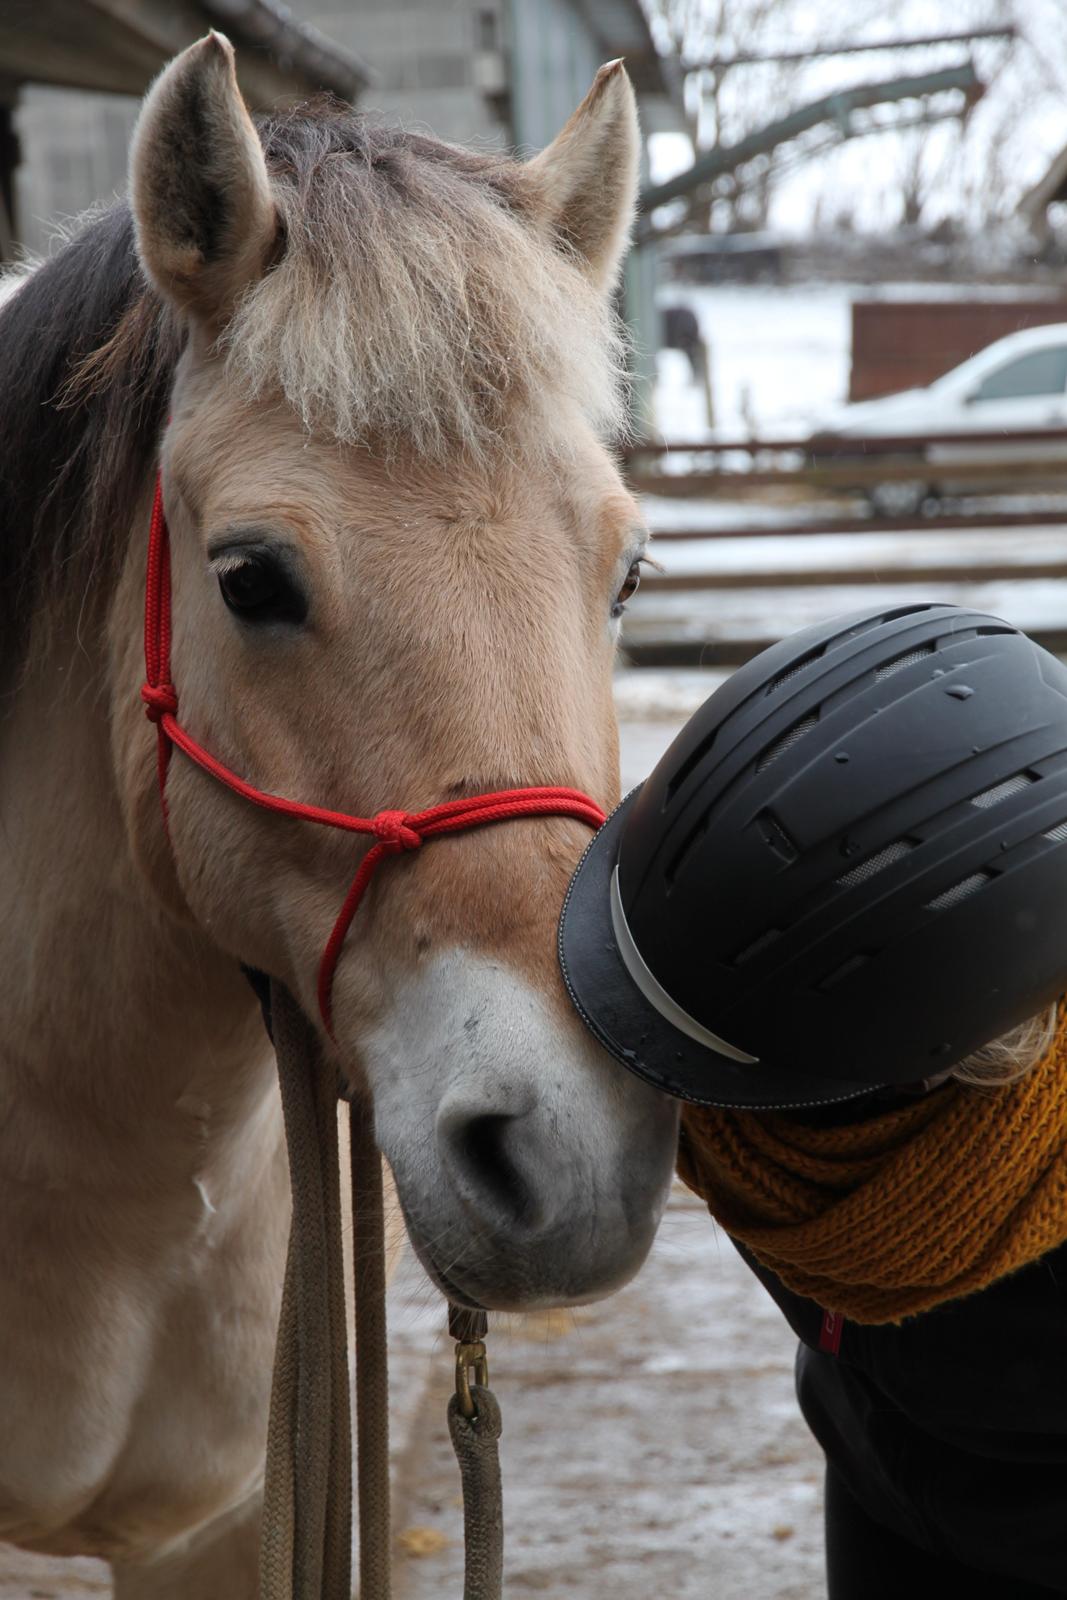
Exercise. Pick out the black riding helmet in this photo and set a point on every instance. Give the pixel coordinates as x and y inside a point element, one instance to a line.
<point>849,870</point>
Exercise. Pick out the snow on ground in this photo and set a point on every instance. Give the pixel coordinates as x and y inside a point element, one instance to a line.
<point>776,357</point>
<point>652,1444</point>
<point>652,704</point>
<point>869,553</point>
<point>779,357</point>
<point>764,615</point>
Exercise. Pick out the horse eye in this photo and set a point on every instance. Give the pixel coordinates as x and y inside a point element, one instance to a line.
<point>628,590</point>
<point>257,589</point>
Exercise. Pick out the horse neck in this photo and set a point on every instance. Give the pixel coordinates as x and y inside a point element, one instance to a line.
<point>126,1033</point>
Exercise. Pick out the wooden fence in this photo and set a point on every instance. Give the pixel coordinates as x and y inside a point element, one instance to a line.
<point>713,606</point>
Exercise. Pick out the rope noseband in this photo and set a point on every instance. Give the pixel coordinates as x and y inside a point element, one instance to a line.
<point>395,832</point>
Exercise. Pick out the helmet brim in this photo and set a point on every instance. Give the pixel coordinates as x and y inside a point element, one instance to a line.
<point>631,1029</point>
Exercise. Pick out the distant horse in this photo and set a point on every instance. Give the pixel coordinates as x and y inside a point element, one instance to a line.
<point>681,331</point>
<point>399,545</point>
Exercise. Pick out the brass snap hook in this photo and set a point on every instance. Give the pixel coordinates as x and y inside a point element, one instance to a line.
<point>470,1358</point>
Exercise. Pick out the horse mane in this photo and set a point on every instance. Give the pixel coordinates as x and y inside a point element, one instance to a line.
<point>415,304</point>
<point>71,462</point>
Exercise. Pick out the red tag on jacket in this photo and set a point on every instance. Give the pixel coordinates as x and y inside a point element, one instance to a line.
<point>830,1332</point>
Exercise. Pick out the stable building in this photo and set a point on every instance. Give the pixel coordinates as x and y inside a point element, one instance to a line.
<point>72,73</point>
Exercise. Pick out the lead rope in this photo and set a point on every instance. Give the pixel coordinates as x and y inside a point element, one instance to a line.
<point>307,1534</point>
<point>372,1374</point>
<point>306,1544</point>
<point>474,1426</point>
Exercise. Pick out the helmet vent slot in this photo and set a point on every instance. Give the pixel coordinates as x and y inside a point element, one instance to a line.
<point>773,834</point>
<point>876,863</point>
<point>904,611</point>
<point>692,838</point>
<point>1001,791</point>
<point>757,945</point>
<point>693,759</point>
<point>960,891</point>
<point>1057,834</point>
<point>900,662</point>
<point>845,970</point>
<point>795,669</point>
<point>786,741</point>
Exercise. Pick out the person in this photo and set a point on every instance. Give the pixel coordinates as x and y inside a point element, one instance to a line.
<point>834,922</point>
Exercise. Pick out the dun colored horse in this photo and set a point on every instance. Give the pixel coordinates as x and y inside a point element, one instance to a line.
<point>377,373</point>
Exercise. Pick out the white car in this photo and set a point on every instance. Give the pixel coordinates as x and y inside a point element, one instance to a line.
<point>1018,384</point>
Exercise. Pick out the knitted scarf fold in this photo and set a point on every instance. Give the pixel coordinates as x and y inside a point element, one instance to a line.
<point>885,1218</point>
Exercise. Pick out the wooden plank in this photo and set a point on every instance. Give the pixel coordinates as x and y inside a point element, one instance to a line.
<point>852,525</point>
<point>830,444</point>
<point>682,627</point>
<point>733,651</point>
<point>850,475</point>
<point>799,578</point>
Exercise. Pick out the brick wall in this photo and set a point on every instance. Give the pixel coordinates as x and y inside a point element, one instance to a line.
<point>906,344</point>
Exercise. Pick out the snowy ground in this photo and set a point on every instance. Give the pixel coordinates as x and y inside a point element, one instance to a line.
<point>868,554</point>
<point>778,357</point>
<point>652,1444</point>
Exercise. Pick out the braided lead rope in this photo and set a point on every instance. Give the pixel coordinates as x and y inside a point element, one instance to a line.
<point>306,1551</point>
<point>475,1440</point>
<point>306,1542</point>
<point>372,1378</point>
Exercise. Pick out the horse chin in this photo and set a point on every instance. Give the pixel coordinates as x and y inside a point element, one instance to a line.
<point>496,1286</point>
<point>532,1170</point>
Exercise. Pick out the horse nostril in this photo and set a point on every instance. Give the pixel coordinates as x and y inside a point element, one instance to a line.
<point>486,1152</point>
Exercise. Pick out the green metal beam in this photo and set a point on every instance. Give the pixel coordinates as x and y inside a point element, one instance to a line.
<point>835,107</point>
<point>846,48</point>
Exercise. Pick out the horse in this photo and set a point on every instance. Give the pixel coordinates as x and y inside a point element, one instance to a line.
<point>380,378</point>
<point>680,330</point>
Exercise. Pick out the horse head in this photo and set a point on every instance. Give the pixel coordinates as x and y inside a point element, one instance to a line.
<point>400,549</point>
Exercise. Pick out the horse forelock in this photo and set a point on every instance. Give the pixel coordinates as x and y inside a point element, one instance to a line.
<point>416,303</point>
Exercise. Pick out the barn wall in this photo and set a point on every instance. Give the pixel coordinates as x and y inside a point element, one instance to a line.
<point>439,65</point>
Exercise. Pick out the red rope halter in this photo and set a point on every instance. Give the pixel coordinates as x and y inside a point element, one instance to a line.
<point>396,831</point>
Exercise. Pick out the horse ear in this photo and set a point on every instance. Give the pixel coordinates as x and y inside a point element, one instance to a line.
<point>587,176</point>
<point>205,219</point>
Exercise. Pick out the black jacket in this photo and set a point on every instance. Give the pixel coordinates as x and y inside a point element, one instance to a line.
<point>951,1429</point>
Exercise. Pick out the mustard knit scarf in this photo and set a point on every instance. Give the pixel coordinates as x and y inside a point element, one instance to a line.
<point>885,1218</point>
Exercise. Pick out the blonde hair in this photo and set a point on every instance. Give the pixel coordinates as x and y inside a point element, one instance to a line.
<point>1011,1057</point>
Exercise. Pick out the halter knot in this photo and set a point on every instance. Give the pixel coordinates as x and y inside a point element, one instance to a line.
<point>160,699</point>
<point>394,829</point>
